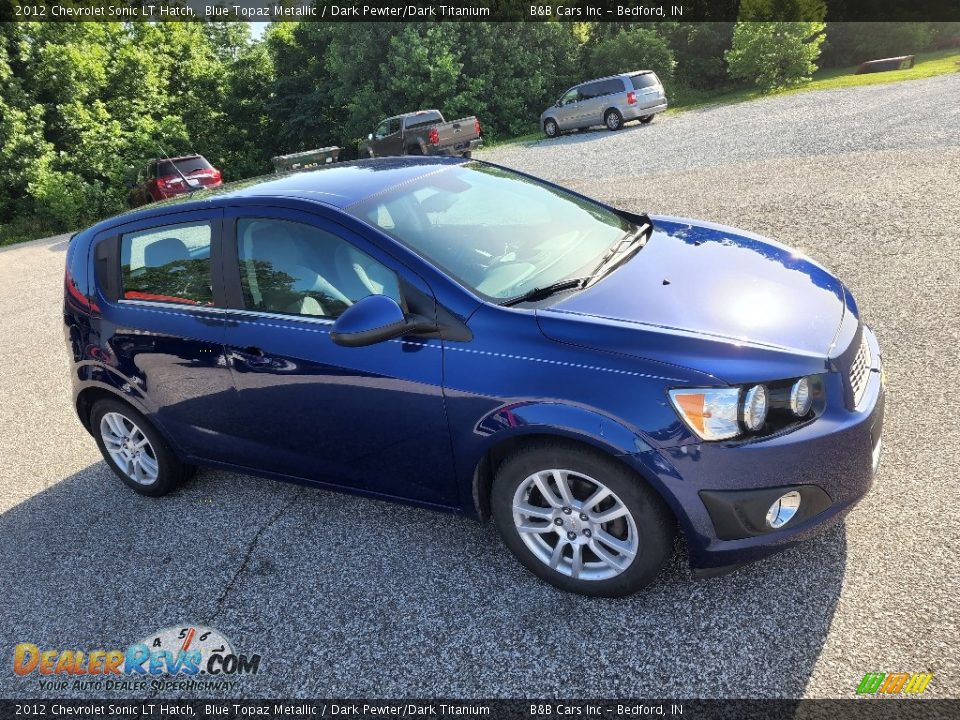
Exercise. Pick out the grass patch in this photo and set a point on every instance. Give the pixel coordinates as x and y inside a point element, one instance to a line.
<point>533,134</point>
<point>23,229</point>
<point>926,65</point>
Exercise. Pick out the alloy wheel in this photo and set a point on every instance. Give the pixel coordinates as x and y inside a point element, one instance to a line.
<point>575,524</point>
<point>129,448</point>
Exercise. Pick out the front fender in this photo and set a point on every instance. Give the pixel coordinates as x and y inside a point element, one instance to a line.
<point>565,420</point>
<point>497,431</point>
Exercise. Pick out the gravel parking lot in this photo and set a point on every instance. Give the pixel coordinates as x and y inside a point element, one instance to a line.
<point>352,597</point>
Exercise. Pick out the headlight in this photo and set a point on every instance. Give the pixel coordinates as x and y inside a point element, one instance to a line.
<point>755,408</point>
<point>801,399</point>
<point>717,413</point>
<point>710,412</point>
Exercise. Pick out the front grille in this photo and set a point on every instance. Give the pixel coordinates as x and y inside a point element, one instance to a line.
<point>860,371</point>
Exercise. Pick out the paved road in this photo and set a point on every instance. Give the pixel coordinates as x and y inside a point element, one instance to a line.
<point>352,597</point>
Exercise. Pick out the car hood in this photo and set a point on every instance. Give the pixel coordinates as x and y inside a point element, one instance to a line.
<point>711,298</point>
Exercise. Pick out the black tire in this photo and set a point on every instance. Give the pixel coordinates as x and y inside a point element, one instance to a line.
<point>613,120</point>
<point>647,119</point>
<point>171,471</point>
<point>652,521</point>
<point>550,128</point>
<point>467,155</point>
<point>414,150</point>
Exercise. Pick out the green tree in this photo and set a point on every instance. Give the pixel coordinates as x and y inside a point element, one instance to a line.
<point>771,55</point>
<point>699,51</point>
<point>638,49</point>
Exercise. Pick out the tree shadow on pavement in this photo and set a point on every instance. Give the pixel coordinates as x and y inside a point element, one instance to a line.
<point>345,596</point>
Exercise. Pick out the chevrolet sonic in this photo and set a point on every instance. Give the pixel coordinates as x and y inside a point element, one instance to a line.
<point>460,336</point>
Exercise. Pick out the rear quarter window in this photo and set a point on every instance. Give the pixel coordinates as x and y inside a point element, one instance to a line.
<point>612,87</point>
<point>167,264</point>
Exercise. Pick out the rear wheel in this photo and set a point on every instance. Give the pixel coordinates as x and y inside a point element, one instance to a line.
<point>134,450</point>
<point>550,128</point>
<point>580,520</point>
<point>613,120</point>
<point>647,119</point>
<point>467,155</point>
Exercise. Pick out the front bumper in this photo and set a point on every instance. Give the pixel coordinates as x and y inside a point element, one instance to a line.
<point>718,490</point>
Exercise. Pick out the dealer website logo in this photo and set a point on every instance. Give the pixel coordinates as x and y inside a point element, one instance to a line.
<point>173,658</point>
<point>902,683</point>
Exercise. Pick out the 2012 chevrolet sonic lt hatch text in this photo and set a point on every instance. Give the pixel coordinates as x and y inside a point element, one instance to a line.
<point>460,336</point>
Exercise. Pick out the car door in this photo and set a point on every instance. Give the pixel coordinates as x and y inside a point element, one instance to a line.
<point>161,325</point>
<point>388,138</point>
<point>649,91</point>
<point>568,109</point>
<point>591,105</point>
<point>370,418</point>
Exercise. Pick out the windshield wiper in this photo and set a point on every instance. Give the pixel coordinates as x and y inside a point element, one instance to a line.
<point>539,293</point>
<point>620,251</point>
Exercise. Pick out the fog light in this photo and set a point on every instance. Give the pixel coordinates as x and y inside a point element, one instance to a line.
<point>783,510</point>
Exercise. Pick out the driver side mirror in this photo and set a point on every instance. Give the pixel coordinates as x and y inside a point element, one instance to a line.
<point>375,319</point>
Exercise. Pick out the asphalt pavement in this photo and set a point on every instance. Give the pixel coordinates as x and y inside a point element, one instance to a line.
<point>344,596</point>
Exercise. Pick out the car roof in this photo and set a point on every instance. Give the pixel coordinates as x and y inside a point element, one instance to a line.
<point>411,114</point>
<point>336,184</point>
<point>632,73</point>
<point>178,157</point>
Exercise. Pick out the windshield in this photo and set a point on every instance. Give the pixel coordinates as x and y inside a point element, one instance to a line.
<point>495,231</point>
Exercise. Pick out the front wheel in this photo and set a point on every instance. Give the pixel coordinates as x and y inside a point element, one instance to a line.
<point>550,128</point>
<point>581,520</point>
<point>613,120</point>
<point>134,449</point>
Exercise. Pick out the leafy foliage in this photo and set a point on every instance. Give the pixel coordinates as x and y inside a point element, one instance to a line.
<point>84,105</point>
<point>640,49</point>
<point>771,55</point>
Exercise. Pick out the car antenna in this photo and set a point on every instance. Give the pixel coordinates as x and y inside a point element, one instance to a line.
<point>190,189</point>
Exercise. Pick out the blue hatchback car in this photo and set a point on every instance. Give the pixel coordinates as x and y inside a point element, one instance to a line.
<point>460,336</point>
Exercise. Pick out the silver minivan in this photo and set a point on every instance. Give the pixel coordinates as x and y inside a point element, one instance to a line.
<point>609,101</point>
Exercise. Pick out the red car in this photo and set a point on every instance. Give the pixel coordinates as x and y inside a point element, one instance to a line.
<point>159,179</point>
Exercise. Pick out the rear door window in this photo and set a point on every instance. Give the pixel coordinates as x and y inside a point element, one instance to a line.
<point>167,264</point>
<point>590,91</point>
